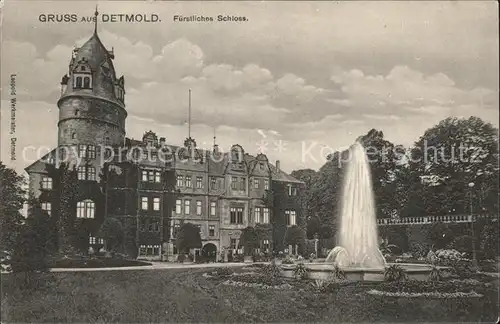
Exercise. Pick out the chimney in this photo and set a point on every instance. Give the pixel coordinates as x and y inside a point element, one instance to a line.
<point>278,166</point>
<point>162,141</point>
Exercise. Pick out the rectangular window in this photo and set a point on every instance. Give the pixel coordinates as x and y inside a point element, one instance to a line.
<point>100,240</point>
<point>287,217</point>
<point>91,240</point>
<point>198,207</point>
<point>261,165</point>
<point>211,230</point>
<point>243,184</point>
<point>156,203</point>
<point>82,150</point>
<point>265,245</point>
<point>91,151</point>
<point>233,244</point>
<point>85,209</point>
<point>294,191</point>
<point>178,206</point>
<point>257,214</point>
<point>266,184</point>
<point>81,173</point>
<point>188,181</point>
<point>199,182</point>
<point>239,215</point>
<point>289,190</point>
<point>144,203</point>
<point>187,207</point>
<point>293,218</point>
<point>145,155</point>
<point>157,177</point>
<point>213,206</point>
<point>142,225</point>
<point>180,181</point>
<point>144,175</point>
<point>47,207</point>
<point>265,215</point>
<point>176,229</point>
<point>232,215</point>
<point>46,183</point>
<point>151,176</point>
<point>91,173</point>
<point>256,183</point>
<point>234,183</point>
<point>213,183</point>
<point>236,215</point>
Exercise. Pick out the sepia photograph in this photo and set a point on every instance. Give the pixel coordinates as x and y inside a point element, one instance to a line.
<point>249,162</point>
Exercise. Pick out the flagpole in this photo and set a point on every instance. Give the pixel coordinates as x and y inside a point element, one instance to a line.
<point>189,115</point>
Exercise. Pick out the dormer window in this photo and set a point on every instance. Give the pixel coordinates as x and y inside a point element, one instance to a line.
<point>82,75</point>
<point>236,154</point>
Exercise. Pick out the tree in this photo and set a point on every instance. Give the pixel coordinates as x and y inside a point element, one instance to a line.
<point>440,235</point>
<point>249,240</point>
<point>313,227</point>
<point>33,244</point>
<point>294,235</point>
<point>12,198</point>
<point>489,241</point>
<point>452,154</point>
<point>188,237</point>
<point>112,232</point>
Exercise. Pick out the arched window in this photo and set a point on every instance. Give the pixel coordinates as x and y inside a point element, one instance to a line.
<point>78,82</point>
<point>73,136</point>
<point>85,209</point>
<point>86,83</point>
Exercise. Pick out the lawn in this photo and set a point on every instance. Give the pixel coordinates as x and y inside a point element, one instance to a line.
<point>178,295</point>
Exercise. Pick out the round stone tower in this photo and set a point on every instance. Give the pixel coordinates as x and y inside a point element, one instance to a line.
<point>92,104</point>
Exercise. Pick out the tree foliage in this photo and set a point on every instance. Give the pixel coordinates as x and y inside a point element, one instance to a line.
<point>12,198</point>
<point>294,235</point>
<point>188,237</point>
<point>112,232</point>
<point>249,240</point>
<point>34,243</point>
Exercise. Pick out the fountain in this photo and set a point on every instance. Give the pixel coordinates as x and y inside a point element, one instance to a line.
<point>358,253</point>
<point>358,237</point>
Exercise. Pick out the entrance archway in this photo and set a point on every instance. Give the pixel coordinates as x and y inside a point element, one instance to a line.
<point>209,252</point>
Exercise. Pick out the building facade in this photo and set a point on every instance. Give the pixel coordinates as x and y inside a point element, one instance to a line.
<point>148,187</point>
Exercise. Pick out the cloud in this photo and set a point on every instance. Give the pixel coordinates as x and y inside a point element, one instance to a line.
<point>338,71</point>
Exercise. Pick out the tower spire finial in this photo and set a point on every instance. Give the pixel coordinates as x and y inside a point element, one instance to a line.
<point>96,13</point>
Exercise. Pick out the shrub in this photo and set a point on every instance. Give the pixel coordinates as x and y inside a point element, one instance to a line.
<point>300,272</point>
<point>418,286</point>
<point>287,260</point>
<point>419,250</point>
<point>462,268</point>
<point>223,272</point>
<point>259,279</point>
<point>270,270</point>
<point>338,273</point>
<point>394,273</point>
<point>435,274</point>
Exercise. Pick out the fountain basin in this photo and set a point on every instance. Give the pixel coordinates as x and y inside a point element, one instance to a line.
<point>322,271</point>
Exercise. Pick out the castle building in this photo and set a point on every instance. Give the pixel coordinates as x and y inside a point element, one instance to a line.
<point>148,187</point>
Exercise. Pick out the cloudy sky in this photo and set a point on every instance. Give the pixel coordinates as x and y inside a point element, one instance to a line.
<point>296,77</point>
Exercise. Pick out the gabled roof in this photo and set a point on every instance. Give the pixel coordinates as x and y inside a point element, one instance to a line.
<point>39,165</point>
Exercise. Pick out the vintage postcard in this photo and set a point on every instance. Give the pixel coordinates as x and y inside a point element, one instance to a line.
<point>258,161</point>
